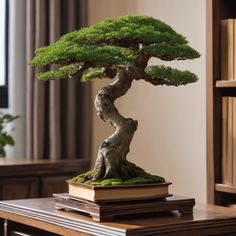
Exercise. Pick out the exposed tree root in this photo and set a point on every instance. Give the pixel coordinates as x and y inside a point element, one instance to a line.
<point>130,174</point>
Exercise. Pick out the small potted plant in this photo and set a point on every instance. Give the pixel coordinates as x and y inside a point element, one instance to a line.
<point>118,49</point>
<point>5,137</point>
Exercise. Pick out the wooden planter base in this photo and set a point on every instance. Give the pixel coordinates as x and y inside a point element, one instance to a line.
<point>107,211</point>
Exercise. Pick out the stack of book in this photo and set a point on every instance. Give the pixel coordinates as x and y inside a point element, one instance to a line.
<point>228,72</point>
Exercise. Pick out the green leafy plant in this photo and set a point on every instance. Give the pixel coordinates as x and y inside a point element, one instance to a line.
<point>117,48</point>
<point>5,137</point>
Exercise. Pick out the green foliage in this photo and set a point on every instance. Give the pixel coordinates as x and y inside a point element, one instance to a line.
<point>169,76</point>
<point>144,178</point>
<point>5,138</point>
<point>62,72</point>
<point>112,43</point>
<point>169,52</point>
<point>92,73</point>
<point>134,29</point>
<point>64,52</point>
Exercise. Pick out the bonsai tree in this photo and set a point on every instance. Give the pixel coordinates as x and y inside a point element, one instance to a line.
<point>118,49</point>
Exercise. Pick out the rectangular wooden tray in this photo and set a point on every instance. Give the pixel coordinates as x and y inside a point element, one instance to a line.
<point>108,211</point>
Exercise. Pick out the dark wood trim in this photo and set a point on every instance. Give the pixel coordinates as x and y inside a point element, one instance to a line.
<point>209,102</point>
<point>41,167</point>
<point>4,94</point>
<point>15,229</point>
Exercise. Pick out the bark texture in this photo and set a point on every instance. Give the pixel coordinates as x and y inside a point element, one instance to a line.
<point>111,160</point>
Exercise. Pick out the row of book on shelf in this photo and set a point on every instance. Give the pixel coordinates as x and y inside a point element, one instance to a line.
<point>229,140</point>
<point>228,72</point>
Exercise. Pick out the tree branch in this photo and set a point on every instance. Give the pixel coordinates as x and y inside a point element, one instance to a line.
<point>136,68</point>
<point>82,69</point>
<point>162,75</point>
<point>148,78</point>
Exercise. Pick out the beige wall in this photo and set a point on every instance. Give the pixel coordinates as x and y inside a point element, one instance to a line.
<point>170,140</point>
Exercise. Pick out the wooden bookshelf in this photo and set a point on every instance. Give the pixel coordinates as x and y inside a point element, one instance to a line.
<point>226,84</point>
<point>225,188</point>
<point>216,10</point>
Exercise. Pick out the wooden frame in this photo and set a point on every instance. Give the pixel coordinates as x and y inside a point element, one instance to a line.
<point>216,10</point>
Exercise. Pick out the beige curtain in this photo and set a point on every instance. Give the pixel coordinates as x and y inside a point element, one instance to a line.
<point>57,112</point>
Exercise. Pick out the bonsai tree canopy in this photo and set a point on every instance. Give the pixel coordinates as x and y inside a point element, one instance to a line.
<point>118,49</point>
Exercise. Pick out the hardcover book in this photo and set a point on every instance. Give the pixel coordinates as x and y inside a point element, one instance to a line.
<point>227,49</point>
<point>119,192</point>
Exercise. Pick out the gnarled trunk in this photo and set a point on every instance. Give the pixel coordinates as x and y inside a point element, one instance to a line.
<point>111,160</point>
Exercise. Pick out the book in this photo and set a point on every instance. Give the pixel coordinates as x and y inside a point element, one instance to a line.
<point>224,139</point>
<point>229,163</point>
<point>234,49</point>
<point>227,49</point>
<point>229,140</point>
<point>119,192</point>
<point>228,72</point>
<point>234,142</point>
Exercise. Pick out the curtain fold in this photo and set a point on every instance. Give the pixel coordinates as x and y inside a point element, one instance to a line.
<point>58,113</point>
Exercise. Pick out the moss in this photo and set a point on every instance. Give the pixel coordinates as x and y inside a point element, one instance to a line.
<point>169,76</point>
<point>83,177</point>
<point>143,178</point>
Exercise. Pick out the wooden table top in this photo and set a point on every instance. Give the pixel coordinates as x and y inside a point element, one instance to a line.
<point>40,213</point>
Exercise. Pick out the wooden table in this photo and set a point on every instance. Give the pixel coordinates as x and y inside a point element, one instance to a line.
<point>40,214</point>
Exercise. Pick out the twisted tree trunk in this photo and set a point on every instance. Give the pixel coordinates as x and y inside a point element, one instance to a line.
<point>111,160</point>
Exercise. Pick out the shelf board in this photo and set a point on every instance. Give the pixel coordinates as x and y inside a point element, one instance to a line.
<point>225,188</point>
<point>226,83</point>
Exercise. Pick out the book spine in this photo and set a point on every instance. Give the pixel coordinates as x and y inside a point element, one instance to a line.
<point>224,139</point>
<point>234,142</point>
<point>227,49</point>
<point>229,162</point>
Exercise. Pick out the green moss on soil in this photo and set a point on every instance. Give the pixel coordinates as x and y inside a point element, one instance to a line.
<point>143,178</point>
